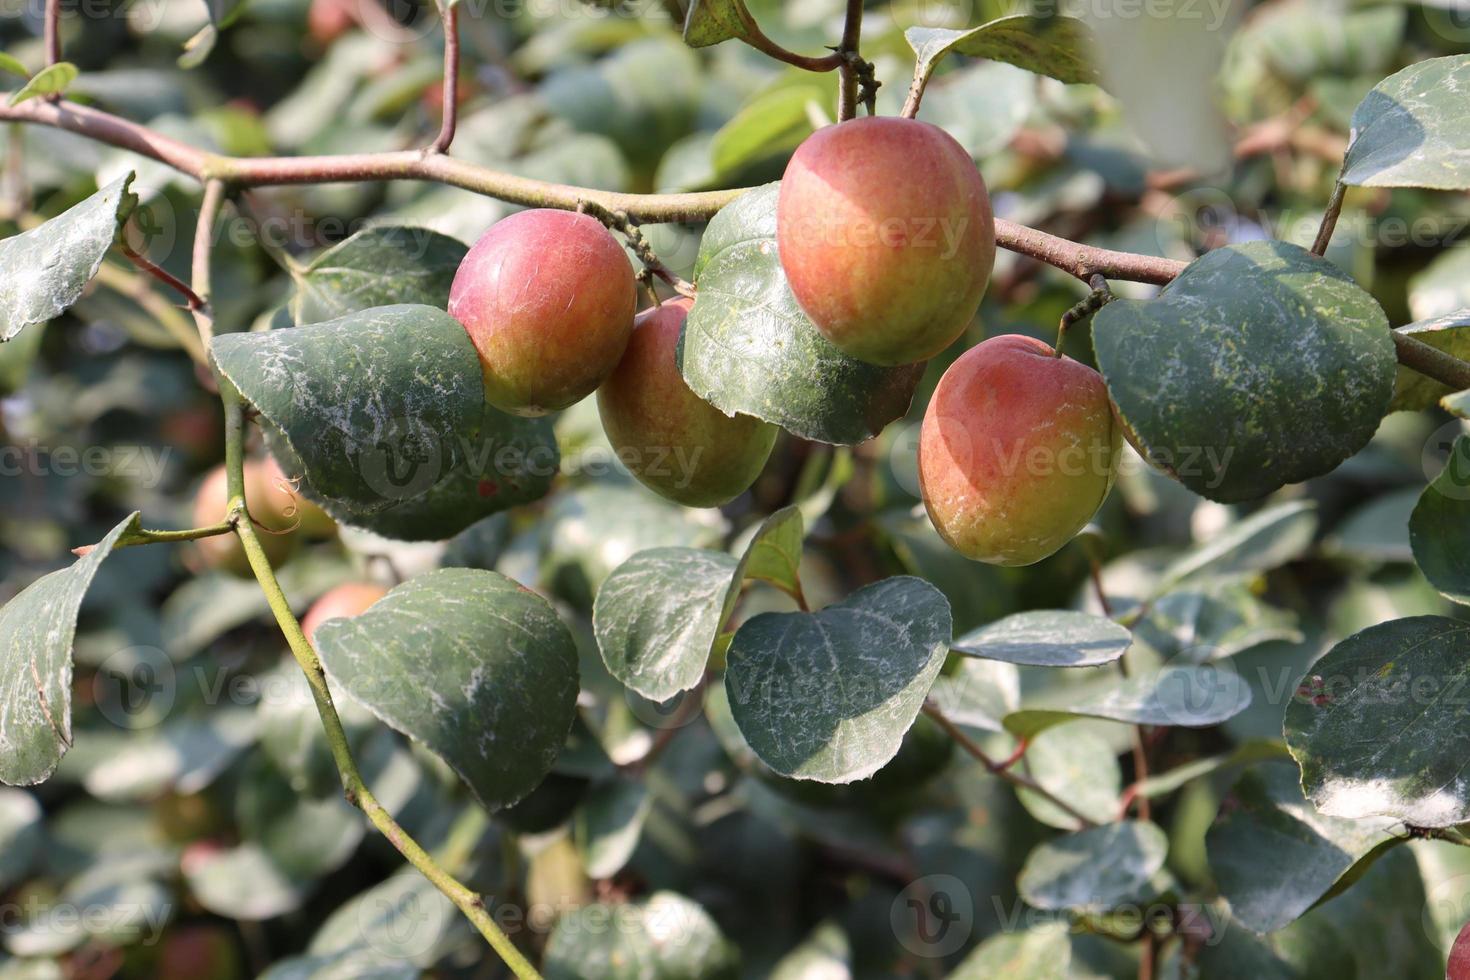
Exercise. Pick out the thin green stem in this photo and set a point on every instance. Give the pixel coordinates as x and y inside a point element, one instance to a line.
<point>469,902</point>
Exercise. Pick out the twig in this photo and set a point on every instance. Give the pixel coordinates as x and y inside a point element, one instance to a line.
<point>51,34</point>
<point>167,278</point>
<point>214,196</point>
<point>141,536</point>
<point>450,15</point>
<point>847,49</point>
<point>620,222</point>
<point>1329,219</point>
<point>1003,770</point>
<point>1431,361</point>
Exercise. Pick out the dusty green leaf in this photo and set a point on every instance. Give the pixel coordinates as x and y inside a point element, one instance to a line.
<point>1213,623</point>
<point>1274,856</point>
<point>658,614</point>
<point>478,669</point>
<point>1194,696</point>
<point>1094,869</point>
<point>1267,539</point>
<point>980,694</point>
<point>1413,129</point>
<point>379,266</point>
<point>748,348</point>
<point>1053,638</point>
<point>375,406</point>
<point>1378,724</point>
<point>829,695</point>
<point>772,123</point>
<point>1261,365</point>
<point>37,628</point>
<point>1439,527</point>
<point>44,270</point>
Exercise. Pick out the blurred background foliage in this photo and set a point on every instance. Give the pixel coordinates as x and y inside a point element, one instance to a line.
<point>198,804</point>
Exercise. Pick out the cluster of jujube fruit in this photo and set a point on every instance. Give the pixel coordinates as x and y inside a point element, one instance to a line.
<point>886,237</point>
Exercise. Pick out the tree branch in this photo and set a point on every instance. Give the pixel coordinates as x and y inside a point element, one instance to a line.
<point>1082,261</point>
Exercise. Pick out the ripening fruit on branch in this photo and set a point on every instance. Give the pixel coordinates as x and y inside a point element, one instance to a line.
<point>267,502</point>
<point>1017,452</point>
<point>886,235</point>
<point>346,600</point>
<point>673,441</point>
<point>547,298</point>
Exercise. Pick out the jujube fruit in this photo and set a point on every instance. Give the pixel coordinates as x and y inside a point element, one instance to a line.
<point>1017,452</point>
<point>676,443</point>
<point>886,236</point>
<point>547,298</point>
<point>346,600</point>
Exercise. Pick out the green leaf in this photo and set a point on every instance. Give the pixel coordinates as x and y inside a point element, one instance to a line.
<point>609,823</point>
<point>478,669</point>
<point>1439,527</point>
<point>1450,333</point>
<point>1092,870</point>
<point>748,348</point>
<point>980,694</point>
<point>1413,129</point>
<point>1378,531</point>
<point>37,628</point>
<point>1267,539</point>
<point>774,553</point>
<point>45,269</point>
<point>1060,47</point>
<point>658,615</point>
<point>11,64</point>
<point>371,404</point>
<point>1043,952</point>
<point>379,266</point>
<point>1077,764</point>
<point>51,80</point>
<point>1195,696</point>
<point>1054,638</point>
<point>712,21</point>
<point>1274,856</point>
<point>1211,624</point>
<point>829,695</point>
<point>1261,365</point>
<point>1378,724</point>
<point>772,123</point>
<point>662,937</point>
<point>508,461</point>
